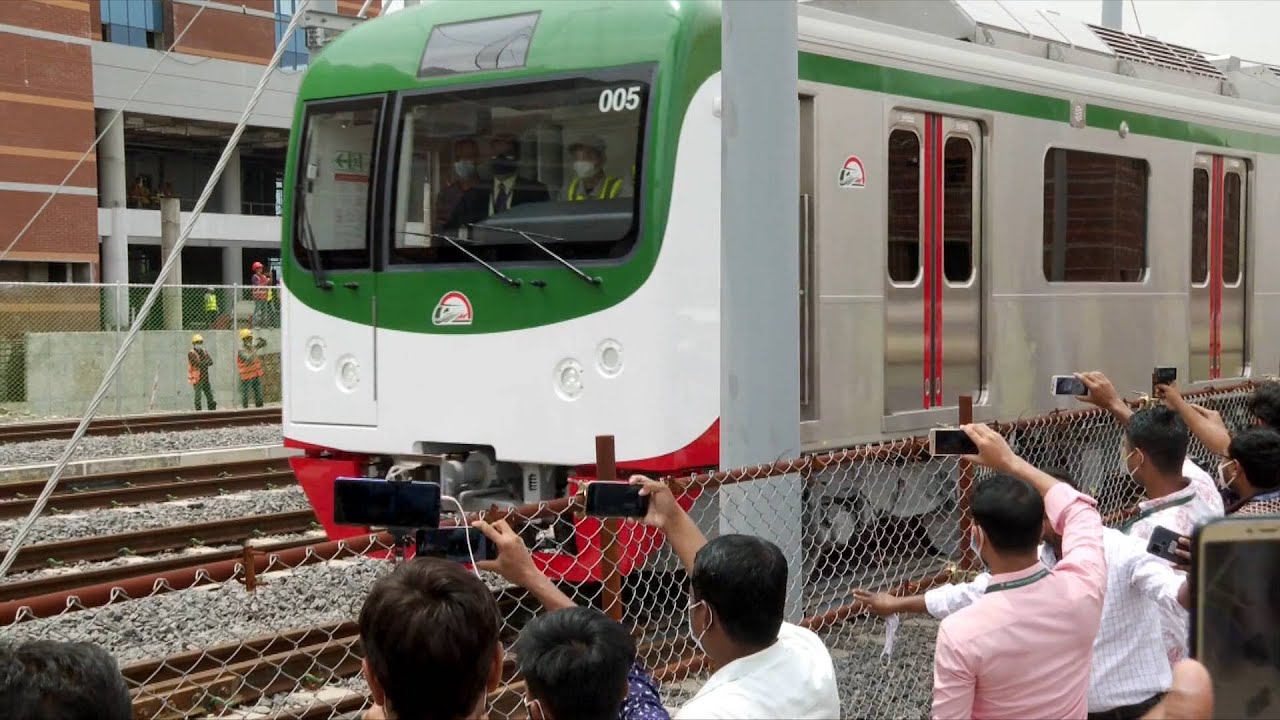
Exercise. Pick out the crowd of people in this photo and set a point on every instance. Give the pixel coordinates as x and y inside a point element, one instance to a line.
<point>1069,620</point>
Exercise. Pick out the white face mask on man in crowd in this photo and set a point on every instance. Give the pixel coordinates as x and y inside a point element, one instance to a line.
<point>584,168</point>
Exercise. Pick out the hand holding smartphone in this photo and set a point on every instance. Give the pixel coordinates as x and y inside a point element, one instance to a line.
<point>951,441</point>
<point>616,499</point>
<point>376,502</point>
<point>1164,544</point>
<point>1068,385</point>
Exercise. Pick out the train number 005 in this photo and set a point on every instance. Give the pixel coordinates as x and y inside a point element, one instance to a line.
<point>619,99</point>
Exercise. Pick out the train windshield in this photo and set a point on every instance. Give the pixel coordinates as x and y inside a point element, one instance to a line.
<point>495,172</point>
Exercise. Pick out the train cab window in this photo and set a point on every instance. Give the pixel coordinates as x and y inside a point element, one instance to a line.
<point>495,172</point>
<point>957,210</point>
<point>331,225</point>
<point>1095,217</point>
<point>1232,226</point>
<point>904,206</point>
<point>1200,226</point>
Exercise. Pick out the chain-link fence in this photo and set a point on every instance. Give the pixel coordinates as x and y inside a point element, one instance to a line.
<point>269,631</point>
<point>57,340</point>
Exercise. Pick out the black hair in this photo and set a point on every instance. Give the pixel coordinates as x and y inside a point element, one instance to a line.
<point>69,681</point>
<point>1258,452</point>
<point>429,631</point>
<point>509,138</point>
<point>575,662</point>
<point>1009,511</point>
<point>1062,476</point>
<point>1162,437</point>
<point>744,580</point>
<point>1265,404</point>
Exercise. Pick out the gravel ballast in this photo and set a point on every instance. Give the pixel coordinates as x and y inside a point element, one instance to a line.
<point>110,521</point>
<point>149,443</point>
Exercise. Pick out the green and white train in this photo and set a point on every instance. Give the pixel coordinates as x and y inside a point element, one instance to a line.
<point>986,200</point>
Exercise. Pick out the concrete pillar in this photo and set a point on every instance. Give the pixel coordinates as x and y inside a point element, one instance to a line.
<point>232,266</point>
<point>759,276</point>
<point>115,269</point>
<point>229,185</point>
<point>113,180</point>
<point>170,228</point>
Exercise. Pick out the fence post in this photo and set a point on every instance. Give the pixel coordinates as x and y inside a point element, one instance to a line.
<point>607,470</point>
<point>967,559</point>
<point>250,572</point>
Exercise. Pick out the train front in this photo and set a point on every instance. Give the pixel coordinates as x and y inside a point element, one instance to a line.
<point>502,242</point>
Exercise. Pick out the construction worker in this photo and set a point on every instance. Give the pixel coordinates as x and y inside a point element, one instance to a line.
<point>590,181</point>
<point>198,362</point>
<point>262,295</point>
<point>210,307</point>
<point>250,367</point>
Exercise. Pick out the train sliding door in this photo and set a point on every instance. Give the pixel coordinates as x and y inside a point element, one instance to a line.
<point>1218,228</point>
<point>933,297</point>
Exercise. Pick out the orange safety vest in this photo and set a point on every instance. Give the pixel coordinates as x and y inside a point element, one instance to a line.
<point>264,282</point>
<point>250,369</point>
<point>193,370</point>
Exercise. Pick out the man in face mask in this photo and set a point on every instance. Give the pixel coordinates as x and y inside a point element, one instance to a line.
<point>461,202</point>
<point>509,189</point>
<point>589,179</point>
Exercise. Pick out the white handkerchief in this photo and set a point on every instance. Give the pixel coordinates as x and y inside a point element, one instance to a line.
<point>890,629</point>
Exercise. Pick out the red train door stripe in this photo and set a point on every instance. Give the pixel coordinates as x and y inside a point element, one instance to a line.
<point>938,226</point>
<point>1215,269</point>
<point>927,256</point>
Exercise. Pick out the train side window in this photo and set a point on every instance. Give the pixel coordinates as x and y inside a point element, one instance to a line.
<point>1200,227</point>
<point>1232,226</point>
<point>904,206</point>
<point>957,210</point>
<point>339,145</point>
<point>1095,217</point>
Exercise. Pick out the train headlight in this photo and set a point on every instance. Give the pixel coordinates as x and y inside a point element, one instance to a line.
<point>315,353</point>
<point>568,379</point>
<point>609,358</point>
<point>348,374</point>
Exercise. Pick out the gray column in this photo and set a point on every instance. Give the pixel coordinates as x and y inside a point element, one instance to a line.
<point>113,188</point>
<point>232,266</point>
<point>170,228</point>
<point>229,185</point>
<point>113,181</point>
<point>115,269</point>
<point>759,276</point>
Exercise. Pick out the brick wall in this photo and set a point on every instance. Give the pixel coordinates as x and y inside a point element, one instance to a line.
<point>225,34</point>
<point>46,123</point>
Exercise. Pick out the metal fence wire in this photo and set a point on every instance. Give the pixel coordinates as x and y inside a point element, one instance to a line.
<point>271,631</point>
<point>56,341</point>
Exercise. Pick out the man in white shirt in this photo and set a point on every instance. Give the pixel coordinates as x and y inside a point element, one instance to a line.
<point>767,668</point>
<point>1130,671</point>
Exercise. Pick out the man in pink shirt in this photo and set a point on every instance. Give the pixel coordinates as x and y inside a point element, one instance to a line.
<point>1023,649</point>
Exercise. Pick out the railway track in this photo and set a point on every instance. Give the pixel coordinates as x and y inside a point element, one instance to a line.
<point>156,540</point>
<point>63,429</point>
<point>143,486</point>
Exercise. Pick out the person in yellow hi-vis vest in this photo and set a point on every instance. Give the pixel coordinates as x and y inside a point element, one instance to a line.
<point>250,367</point>
<point>198,362</point>
<point>590,181</point>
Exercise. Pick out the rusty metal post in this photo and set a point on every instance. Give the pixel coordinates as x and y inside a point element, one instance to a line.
<point>250,572</point>
<point>967,559</point>
<point>607,469</point>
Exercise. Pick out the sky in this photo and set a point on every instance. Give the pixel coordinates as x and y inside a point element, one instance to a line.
<point>1245,28</point>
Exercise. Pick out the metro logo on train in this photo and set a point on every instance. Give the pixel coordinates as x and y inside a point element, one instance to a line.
<point>453,309</point>
<point>852,175</point>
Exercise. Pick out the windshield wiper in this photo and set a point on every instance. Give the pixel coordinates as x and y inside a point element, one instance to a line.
<point>308,238</point>
<point>513,282</point>
<point>529,236</point>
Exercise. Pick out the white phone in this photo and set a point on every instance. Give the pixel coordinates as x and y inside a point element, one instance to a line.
<point>1067,385</point>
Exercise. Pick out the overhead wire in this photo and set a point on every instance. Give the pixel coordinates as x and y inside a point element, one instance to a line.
<point>106,128</point>
<point>1134,6</point>
<point>15,545</point>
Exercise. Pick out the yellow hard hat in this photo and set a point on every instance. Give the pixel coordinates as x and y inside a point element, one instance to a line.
<point>196,339</point>
<point>246,333</point>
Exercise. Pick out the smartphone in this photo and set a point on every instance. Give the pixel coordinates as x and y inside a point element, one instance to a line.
<point>1162,544</point>
<point>950,441</point>
<point>1164,375</point>
<point>374,501</point>
<point>616,499</point>
<point>451,544</point>
<point>1068,385</point>
<point>1235,627</point>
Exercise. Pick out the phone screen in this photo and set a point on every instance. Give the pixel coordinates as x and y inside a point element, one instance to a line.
<point>1068,385</point>
<point>615,499</point>
<point>1165,375</point>
<point>951,442</point>
<point>373,501</point>
<point>451,544</point>
<point>1236,625</point>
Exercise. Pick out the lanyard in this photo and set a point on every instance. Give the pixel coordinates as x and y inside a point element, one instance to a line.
<point>1040,575</point>
<point>1127,525</point>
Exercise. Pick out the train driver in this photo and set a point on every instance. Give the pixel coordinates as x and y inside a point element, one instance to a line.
<point>590,181</point>
<point>509,189</point>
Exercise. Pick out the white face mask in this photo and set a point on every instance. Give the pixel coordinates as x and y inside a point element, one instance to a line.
<point>584,168</point>
<point>1124,465</point>
<point>975,543</point>
<point>697,638</point>
<point>1223,480</point>
<point>465,169</point>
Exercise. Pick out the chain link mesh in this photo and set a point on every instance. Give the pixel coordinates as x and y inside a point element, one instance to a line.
<point>273,631</point>
<point>56,341</point>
